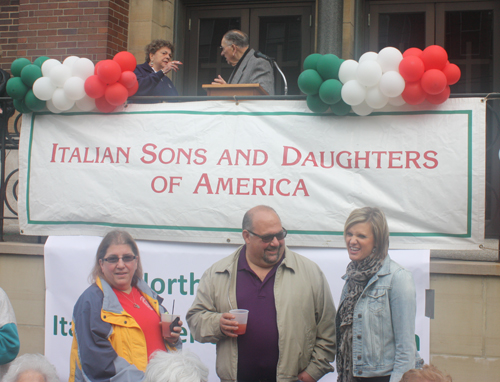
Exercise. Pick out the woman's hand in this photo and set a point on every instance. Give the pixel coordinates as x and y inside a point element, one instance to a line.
<point>171,65</point>
<point>174,335</point>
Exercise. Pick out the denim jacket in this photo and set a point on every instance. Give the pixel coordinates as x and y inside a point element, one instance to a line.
<point>383,328</point>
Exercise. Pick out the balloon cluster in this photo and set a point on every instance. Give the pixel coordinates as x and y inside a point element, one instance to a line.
<point>20,87</point>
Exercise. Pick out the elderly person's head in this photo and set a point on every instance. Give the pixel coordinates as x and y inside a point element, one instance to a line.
<point>428,373</point>
<point>31,368</point>
<point>181,366</point>
<point>117,261</point>
<point>365,233</point>
<point>233,45</point>
<point>159,53</point>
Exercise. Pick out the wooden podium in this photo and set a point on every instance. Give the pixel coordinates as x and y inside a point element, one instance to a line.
<point>229,90</point>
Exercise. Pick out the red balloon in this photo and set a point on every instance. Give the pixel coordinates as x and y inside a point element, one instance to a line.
<point>96,65</point>
<point>434,57</point>
<point>133,89</point>
<point>94,87</point>
<point>436,99</point>
<point>412,52</point>
<point>109,71</point>
<point>433,81</point>
<point>126,60</point>
<point>103,105</point>
<point>452,73</point>
<point>411,68</point>
<point>116,94</point>
<point>128,79</point>
<point>413,93</point>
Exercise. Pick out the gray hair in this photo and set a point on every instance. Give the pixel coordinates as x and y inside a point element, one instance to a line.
<point>31,362</point>
<point>181,366</point>
<point>248,217</point>
<point>237,38</point>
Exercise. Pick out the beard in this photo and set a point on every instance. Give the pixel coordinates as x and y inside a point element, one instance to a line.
<point>273,258</point>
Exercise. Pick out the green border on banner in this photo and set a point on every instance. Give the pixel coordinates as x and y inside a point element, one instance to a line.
<point>230,230</point>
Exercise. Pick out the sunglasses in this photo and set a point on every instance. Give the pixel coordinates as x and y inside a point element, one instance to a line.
<point>268,238</point>
<point>116,259</point>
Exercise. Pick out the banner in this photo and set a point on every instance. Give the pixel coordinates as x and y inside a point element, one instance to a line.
<point>173,270</point>
<point>188,171</point>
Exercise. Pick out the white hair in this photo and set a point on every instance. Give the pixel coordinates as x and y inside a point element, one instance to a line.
<point>181,366</point>
<point>31,362</point>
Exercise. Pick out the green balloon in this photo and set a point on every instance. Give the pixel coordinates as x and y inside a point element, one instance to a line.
<point>340,108</point>
<point>309,81</point>
<point>328,66</point>
<point>30,74</point>
<point>40,60</point>
<point>21,106</point>
<point>315,104</point>
<point>18,65</point>
<point>311,61</point>
<point>330,91</point>
<point>16,88</point>
<point>32,102</point>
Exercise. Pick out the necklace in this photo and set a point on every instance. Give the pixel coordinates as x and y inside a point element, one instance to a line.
<point>136,305</point>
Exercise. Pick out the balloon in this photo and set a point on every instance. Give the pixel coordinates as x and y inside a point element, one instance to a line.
<point>48,65</point>
<point>40,60</point>
<point>362,109</point>
<point>340,108</point>
<point>434,57</point>
<point>353,93</point>
<point>433,81</point>
<point>103,105</point>
<point>128,79</point>
<point>412,52</point>
<point>52,108</point>
<point>413,93</point>
<point>30,74</point>
<point>116,94</point>
<point>315,104</point>
<point>86,103</point>
<point>436,99</point>
<point>60,101</point>
<point>347,71</point>
<point>32,102</point>
<point>82,68</point>
<point>368,73</point>
<point>374,98</point>
<point>96,65</point>
<point>74,88</point>
<point>109,71</point>
<point>396,101</point>
<point>131,91</point>
<point>411,68</point>
<point>389,59</point>
<point>69,61</point>
<point>17,66</point>
<point>452,73</point>
<point>21,107</point>
<point>126,60</point>
<point>58,75</point>
<point>330,91</point>
<point>328,66</point>
<point>311,61</point>
<point>16,88</point>
<point>94,87</point>
<point>368,56</point>
<point>391,84</point>
<point>309,81</point>
<point>44,88</point>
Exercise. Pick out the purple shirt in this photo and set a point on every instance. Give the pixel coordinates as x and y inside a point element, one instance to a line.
<point>258,350</point>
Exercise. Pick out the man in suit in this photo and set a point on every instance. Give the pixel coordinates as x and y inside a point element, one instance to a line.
<point>248,69</point>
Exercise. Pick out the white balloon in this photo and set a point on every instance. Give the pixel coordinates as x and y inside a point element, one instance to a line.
<point>353,93</point>
<point>368,56</point>
<point>69,61</point>
<point>374,98</point>
<point>74,88</point>
<point>368,73</point>
<point>48,65</point>
<point>396,101</point>
<point>60,101</point>
<point>83,68</point>
<point>389,59</point>
<point>362,109</point>
<point>347,71</point>
<point>392,84</point>
<point>43,88</point>
<point>59,74</point>
<point>51,107</point>
<point>86,103</point>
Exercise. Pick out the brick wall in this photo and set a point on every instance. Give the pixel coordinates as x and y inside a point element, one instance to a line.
<point>60,28</point>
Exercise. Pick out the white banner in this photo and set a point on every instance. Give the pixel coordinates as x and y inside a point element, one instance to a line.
<point>174,270</point>
<point>188,171</point>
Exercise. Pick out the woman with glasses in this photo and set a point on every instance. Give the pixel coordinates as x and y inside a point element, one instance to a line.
<point>116,321</point>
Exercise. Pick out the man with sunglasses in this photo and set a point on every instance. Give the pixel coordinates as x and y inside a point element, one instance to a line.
<point>290,332</point>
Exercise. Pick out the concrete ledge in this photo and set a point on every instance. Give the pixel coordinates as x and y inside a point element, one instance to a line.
<point>13,248</point>
<point>457,267</point>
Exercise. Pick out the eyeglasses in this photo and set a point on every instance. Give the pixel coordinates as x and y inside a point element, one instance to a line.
<point>224,47</point>
<point>268,238</point>
<point>115,259</point>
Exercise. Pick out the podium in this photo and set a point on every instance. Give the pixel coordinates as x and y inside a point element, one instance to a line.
<point>229,90</point>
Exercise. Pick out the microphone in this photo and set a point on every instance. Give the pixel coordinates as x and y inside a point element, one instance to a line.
<point>262,55</point>
<point>272,61</point>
